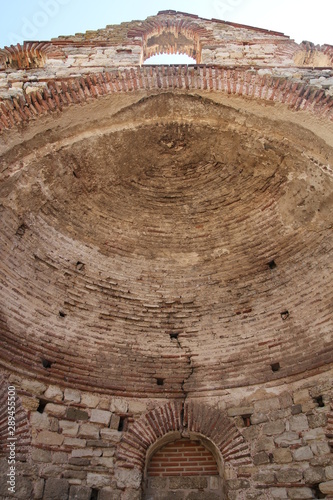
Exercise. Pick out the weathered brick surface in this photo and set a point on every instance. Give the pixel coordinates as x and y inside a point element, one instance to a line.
<point>165,263</point>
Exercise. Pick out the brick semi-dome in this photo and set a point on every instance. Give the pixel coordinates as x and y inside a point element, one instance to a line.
<point>166,262</point>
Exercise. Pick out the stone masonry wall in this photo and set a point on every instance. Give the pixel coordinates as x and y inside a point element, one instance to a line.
<point>75,440</point>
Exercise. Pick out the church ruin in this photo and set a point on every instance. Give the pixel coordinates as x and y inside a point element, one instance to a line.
<point>166,265</point>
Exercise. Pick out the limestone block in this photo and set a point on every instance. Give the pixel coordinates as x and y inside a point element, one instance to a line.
<point>98,480</point>
<point>274,428</point>
<point>320,447</point>
<point>240,410</point>
<point>54,392</point>
<point>329,472</point>
<point>287,438</point>
<point>130,478</point>
<point>326,488</point>
<point>114,422</point>
<point>279,493</point>
<point>314,475</point>
<point>265,477</point>
<point>267,405</point>
<point>29,404</point>
<point>111,435</point>
<point>296,409</point>
<point>59,457</point>
<point>33,386</point>
<point>301,396</point>
<point>258,418</point>
<point>74,474</point>
<point>69,428</point>
<point>39,420</point>
<point>314,434</point>
<point>56,410</point>
<point>108,493</point>
<point>300,493</point>
<point>23,489</point>
<point>75,442</point>
<point>322,461</point>
<point>298,423</point>
<point>303,453</point>
<point>261,458</point>
<point>104,404</point>
<point>89,400</point>
<point>265,444</point>
<point>39,455</point>
<point>214,483</point>
<point>76,414</point>
<point>108,452</point>
<point>103,461</point>
<point>72,395</point>
<point>286,400</point>
<point>38,489</point>
<point>119,405</point>
<point>89,431</point>
<point>81,462</point>
<point>238,484</point>
<point>317,420</point>
<point>282,456</point>
<point>250,433</point>
<point>289,475</point>
<point>56,489</point>
<point>137,406</point>
<point>100,416</point>
<point>86,452</point>
<point>79,493</point>
<point>50,438</point>
<point>187,482</point>
<point>54,424</point>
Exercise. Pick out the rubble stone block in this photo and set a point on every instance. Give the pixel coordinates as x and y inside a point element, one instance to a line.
<point>100,416</point>
<point>56,489</point>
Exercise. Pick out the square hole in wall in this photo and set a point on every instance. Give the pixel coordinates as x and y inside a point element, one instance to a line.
<point>41,406</point>
<point>160,381</point>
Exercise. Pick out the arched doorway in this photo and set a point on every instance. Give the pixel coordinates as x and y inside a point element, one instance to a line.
<point>183,467</point>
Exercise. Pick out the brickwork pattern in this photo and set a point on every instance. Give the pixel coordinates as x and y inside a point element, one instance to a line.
<point>183,458</point>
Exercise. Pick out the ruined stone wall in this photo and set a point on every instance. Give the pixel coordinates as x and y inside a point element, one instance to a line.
<point>166,262</point>
<point>281,449</point>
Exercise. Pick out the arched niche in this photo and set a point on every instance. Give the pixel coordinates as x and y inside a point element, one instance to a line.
<point>183,464</point>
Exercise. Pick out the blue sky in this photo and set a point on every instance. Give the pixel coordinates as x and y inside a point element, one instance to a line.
<point>43,19</point>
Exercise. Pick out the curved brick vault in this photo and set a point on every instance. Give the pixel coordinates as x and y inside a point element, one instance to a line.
<point>166,254</point>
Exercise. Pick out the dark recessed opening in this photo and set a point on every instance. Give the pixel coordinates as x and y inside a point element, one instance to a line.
<point>62,314</point>
<point>21,230</point>
<point>41,406</point>
<point>160,381</point>
<point>122,424</point>
<point>74,173</point>
<point>174,336</point>
<point>246,420</point>
<point>275,367</point>
<point>272,264</point>
<point>94,494</point>
<point>285,315</point>
<point>79,266</point>
<point>46,363</point>
<point>320,402</point>
<point>317,492</point>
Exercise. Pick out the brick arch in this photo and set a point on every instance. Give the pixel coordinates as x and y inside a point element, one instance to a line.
<point>183,35</point>
<point>60,94</point>
<point>29,55</point>
<point>176,417</point>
